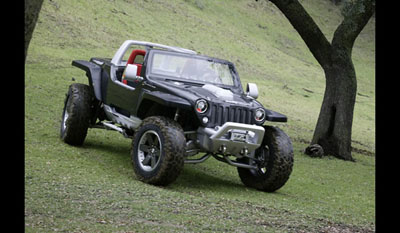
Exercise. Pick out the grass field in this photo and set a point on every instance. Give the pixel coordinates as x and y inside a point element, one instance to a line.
<point>93,189</point>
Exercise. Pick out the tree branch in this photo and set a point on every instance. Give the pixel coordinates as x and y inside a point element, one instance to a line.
<point>353,23</point>
<point>307,28</point>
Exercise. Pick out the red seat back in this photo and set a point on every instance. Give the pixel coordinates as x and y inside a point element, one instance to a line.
<point>133,55</point>
<point>131,59</point>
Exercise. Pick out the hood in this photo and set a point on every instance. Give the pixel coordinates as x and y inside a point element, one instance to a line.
<point>209,92</point>
<point>221,95</point>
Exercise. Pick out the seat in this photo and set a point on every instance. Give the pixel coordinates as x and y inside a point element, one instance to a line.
<point>131,60</point>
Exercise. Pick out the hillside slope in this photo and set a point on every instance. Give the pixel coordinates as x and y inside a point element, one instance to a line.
<point>254,35</point>
<point>92,188</point>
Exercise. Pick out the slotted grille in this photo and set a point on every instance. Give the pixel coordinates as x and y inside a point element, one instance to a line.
<point>221,114</point>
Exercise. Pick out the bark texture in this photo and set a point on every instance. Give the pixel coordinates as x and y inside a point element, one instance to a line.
<point>32,9</point>
<point>333,129</point>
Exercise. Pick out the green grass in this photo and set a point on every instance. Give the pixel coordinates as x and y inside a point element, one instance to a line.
<point>93,189</point>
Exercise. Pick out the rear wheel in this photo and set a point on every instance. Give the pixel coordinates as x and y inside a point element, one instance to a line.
<point>158,150</point>
<point>76,114</point>
<point>274,161</point>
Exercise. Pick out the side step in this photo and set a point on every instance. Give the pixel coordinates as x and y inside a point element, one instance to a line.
<point>128,122</point>
<point>111,126</point>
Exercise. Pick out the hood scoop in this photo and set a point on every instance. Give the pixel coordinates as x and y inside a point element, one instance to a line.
<point>219,92</point>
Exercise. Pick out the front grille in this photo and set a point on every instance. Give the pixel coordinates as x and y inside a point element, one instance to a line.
<point>221,114</point>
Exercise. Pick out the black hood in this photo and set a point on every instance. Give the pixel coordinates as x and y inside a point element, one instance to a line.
<point>220,95</point>
<point>211,93</point>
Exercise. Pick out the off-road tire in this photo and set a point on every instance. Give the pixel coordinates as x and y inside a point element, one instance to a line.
<point>278,164</point>
<point>172,150</point>
<point>77,114</point>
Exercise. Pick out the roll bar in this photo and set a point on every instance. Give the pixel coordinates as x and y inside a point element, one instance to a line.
<point>116,60</point>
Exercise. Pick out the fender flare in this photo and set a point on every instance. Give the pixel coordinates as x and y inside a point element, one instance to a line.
<point>93,72</point>
<point>274,116</point>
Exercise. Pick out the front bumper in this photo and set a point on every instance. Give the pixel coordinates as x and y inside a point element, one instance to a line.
<point>231,139</point>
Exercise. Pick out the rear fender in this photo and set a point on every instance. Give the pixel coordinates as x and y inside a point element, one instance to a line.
<point>93,72</point>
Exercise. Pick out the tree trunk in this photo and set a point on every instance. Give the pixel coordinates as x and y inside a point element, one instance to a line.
<point>32,9</point>
<point>333,129</point>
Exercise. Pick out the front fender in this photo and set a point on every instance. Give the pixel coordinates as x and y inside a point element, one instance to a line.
<point>274,116</point>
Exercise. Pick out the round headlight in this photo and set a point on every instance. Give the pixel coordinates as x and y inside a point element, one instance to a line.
<point>259,114</point>
<point>201,106</point>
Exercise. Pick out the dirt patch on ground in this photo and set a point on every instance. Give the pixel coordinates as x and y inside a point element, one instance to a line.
<point>342,228</point>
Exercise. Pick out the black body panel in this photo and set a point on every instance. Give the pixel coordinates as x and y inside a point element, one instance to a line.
<point>167,100</point>
<point>93,72</point>
<point>121,96</point>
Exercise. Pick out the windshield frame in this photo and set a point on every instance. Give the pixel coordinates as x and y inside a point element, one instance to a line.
<point>163,77</point>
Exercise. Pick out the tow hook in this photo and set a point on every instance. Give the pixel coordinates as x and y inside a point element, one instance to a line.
<point>244,152</point>
<point>222,149</point>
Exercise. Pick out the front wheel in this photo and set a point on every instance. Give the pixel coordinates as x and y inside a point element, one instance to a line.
<point>274,161</point>
<point>158,150</point>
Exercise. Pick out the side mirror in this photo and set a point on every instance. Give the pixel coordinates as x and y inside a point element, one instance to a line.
<point>130,73</point>
<point>252,90</point>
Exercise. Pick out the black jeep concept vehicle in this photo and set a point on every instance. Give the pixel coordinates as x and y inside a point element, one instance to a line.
<point>175,104</point>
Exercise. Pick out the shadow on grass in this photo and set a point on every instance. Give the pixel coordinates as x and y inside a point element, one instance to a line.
<point>110,155</point>
<point>120,149</point>
<point>204,179</point>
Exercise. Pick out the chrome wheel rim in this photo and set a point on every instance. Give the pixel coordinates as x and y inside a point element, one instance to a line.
<point>262,157</point>
<point>149,150</point>
<point>65,118</point>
